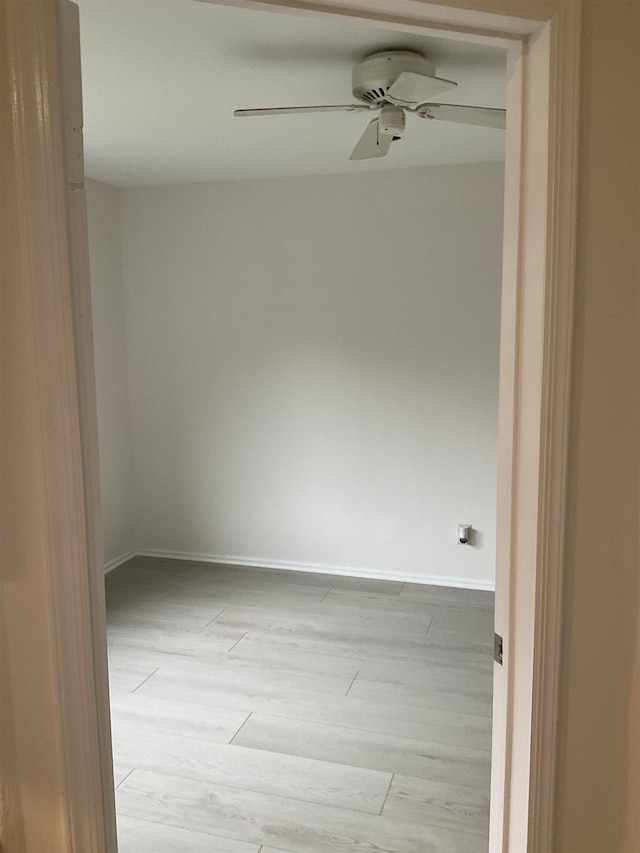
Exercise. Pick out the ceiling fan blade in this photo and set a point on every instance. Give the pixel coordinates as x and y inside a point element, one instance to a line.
<point>482,116</point>
<point>411,89</point>
<point>372,143</point>
<point>276,111</point>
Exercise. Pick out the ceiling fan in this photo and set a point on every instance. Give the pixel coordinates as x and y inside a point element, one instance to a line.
<point>392,82</point>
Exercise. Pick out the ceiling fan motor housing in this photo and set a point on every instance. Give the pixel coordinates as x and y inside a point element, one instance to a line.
<point>374,75</point>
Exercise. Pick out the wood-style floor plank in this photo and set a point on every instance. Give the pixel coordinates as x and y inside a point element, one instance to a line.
<point>437,803</point>
<point>193,615</point>
<point>212,681</point>
<point>336,599</point>
<point>322,624</point>
<point>443,727</point>
<point>391,646</point>
<point>464,619</point>
<point>253,649</point>
<point>127,643</point>
<point>476,597</point>
<point>169,714</point>
<point>225,593</point>
<point>276,821</point>
<point>420,758</point>
<point>425,696</point>
<point>472,642</point>
<point>284,775</point>
<point>437,671</point>
<point>144,836</point>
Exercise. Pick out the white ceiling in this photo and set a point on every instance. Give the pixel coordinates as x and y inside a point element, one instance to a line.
<point>161,81</point>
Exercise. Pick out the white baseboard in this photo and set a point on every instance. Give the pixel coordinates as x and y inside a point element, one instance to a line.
<point>345,571</point>
<point>118,561</point>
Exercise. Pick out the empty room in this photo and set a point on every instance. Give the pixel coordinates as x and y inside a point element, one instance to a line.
<point>296,332</point>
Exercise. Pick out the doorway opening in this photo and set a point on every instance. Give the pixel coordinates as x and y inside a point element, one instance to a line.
<point>293,372</point>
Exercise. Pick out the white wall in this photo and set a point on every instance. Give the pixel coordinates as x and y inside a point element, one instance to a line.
<point>314,368</point>
<point>114,423</point>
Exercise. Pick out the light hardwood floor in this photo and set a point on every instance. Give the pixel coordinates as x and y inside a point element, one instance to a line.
<point>281,712</point>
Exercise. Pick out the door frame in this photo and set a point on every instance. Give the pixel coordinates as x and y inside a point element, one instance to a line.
<point>46,207</point>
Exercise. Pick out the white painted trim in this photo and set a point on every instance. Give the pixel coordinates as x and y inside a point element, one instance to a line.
<point>318,568</point>
<point>57,780</point>
<point>560,210</point>
<point>82,325</point>
<point>118,561</point>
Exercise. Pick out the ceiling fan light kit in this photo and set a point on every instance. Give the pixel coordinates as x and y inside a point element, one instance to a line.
<point>393,82</point>
<point>391,121</point>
